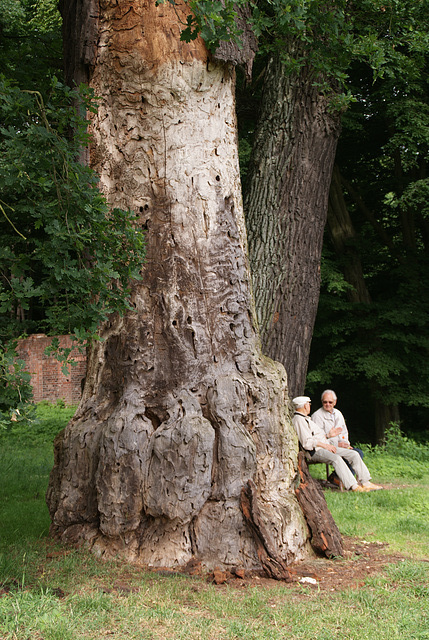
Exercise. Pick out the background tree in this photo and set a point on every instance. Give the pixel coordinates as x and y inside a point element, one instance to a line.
<point>180,408</point>
<point>311,47</point>
<point>288,177</point>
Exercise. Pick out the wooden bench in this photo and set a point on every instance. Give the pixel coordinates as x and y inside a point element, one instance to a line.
<point>327,465</point>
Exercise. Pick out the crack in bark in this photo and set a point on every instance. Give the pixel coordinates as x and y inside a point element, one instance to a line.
<point>272,563</point>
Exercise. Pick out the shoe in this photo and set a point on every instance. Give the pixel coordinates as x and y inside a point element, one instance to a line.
<point>372,487</point>
<point>359,489</point>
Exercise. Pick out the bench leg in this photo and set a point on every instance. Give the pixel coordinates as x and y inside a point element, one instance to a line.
<point>328,474</point>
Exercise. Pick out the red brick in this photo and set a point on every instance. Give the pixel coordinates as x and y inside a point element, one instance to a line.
<point>47,379</point>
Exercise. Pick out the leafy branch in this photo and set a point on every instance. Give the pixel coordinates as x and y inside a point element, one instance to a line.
<point>213,20</point>
<point>66,259</point>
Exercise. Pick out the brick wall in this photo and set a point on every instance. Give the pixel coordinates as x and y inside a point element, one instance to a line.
<point>47,379</point>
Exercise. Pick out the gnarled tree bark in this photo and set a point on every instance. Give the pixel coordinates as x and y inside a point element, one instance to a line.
<point>180,408</point>
<point>325,535</point>
<point>286,207</point>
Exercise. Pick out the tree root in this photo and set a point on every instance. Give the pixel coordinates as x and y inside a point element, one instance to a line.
<point>325,535</point>
<point>273,564</point>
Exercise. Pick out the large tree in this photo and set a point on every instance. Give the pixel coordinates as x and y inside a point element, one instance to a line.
<point>286,206</point>
<point>290,172</point>
<point>180,409</point>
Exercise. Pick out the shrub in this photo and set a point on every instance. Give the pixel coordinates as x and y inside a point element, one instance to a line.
<point>15,389</point>
<point>398,457</point>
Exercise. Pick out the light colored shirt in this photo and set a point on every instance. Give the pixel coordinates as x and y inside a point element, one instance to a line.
<point>309,433</point>
<point>327,420</point>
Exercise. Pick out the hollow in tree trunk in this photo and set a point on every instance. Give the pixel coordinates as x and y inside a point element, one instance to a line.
<point>180,409</point>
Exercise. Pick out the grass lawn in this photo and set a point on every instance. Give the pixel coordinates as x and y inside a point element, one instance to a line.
<point>50,592</point>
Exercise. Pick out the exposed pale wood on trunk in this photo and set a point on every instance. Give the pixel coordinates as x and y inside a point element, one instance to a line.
<point>273,564</point>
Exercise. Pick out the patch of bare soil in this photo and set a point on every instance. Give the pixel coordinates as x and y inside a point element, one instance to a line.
<point>360,560</point>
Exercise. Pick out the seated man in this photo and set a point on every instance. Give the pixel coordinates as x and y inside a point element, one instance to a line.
<point>315,443</point>
<point>328,417</point>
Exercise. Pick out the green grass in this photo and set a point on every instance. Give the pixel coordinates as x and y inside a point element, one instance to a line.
<point>50,592</point>
<point>398,516</point>
<point>26,459</point>
<point>391,606</point>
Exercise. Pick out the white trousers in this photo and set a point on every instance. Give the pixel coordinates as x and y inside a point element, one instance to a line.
<point>342,470</point>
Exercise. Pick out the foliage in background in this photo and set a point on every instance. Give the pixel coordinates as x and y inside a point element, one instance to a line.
<point>30,42</point>
<point>66,259</point>
<point>380,347</point>
<point>399,456</point>
<point>16,391</point>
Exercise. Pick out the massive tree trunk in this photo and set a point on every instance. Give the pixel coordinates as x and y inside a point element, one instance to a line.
<point>180,409</point>
<point>286,206</point>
